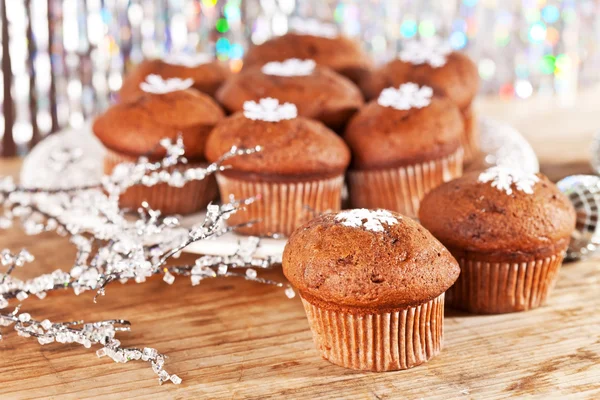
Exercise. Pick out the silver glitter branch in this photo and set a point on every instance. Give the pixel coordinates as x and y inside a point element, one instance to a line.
<point>147,173</point>
<point>88,334</point>
<point>112,246</point>
<point>228,266</point>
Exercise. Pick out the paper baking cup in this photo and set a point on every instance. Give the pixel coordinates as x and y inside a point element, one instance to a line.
<point>495,288</point>
<point>470,138</point>
<point>402,189</point>
<point>190,198</point>
<point>378,342</point>
<point>282,206</point>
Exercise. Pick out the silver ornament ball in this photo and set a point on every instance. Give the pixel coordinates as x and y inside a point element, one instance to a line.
<point>584,192</point>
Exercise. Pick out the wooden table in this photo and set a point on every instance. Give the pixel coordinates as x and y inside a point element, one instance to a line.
<point>235,339</point>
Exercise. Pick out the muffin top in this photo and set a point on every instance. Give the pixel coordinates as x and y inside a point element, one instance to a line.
<point>370,260</point>
<point>208,74</point>
<point>317,91</point>
<point>339,53</point>
<point>166,109</point>
<point>449,73</point>
<point>404,126</point>
<point>292,146</point>
<point>499,212</point>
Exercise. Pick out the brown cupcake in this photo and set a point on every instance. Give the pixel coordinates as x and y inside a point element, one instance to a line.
<point>299,172</point>
<point>318,92</point>
<point>132,129</point>
<point>372,283</point>
<point>450,74</point>
<point>403,145</point>
<point>341,54</point>
<point>509,232</point>
<point>208,75</point>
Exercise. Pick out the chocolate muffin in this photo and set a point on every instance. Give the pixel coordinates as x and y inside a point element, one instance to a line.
<point>165,109</point>
<point>372,283</point>
<point>317,91</point>
<point>207,73</point>
<point>299,172</point>
<point>449,73</point>
<point>403,145</point>
<point>508,230</point>
<point>341,54</point>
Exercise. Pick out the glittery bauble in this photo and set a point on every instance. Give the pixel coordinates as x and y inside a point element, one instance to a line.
<point>584,193</point>
<point>595,156</point>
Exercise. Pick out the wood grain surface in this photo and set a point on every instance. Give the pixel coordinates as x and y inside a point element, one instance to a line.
<point>231,339</point>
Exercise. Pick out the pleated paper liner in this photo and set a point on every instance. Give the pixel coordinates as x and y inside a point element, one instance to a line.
<point>192,197</point>
<point>497,287</point>
<point>470,138</point>
<point>378,342</point>
<point>282,206</point>
<point>402,189</point>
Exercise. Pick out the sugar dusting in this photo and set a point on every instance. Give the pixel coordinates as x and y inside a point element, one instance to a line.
<point>432,51</point>
<point>188,60</point>
<point>313,27</point>
<point>407,96</point>
<point>289,67</point>
<point>503,179</point>
<point>157,85</point>
<point>371,220</point>
<point>269,110</point>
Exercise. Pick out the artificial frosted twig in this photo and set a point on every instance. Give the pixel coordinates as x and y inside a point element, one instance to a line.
<point>88,334</point>
<point>112,246</point>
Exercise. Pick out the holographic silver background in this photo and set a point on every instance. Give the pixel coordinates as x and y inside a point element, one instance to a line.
<point>67,57</point>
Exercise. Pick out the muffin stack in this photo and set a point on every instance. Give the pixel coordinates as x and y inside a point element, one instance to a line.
<point>341,54</point>
<point>298,173</point>
<point>404,144</point>
<point>373,281</point>
<point>317,91</point>
<point>508,230</point>
<point>168,108</point>
<point>449,73</point>
<point>206,73</point>
<point>406,141</point>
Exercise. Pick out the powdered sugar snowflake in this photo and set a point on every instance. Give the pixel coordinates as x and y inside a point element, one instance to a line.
<point>269,110</point>
<point>371,220</point>
<point>313,27</point>
<point>407,96</point>
<point>503,179</point>
<point>157,85</point>
<point>188,60</point>
<point>289,67</point>
<point>432,51</point>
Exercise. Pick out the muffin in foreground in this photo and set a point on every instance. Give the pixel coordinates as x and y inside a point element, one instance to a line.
<point>166,109</point>
<point>508,230</point>
<point>372,283</point>
<point>207,73</point>
<point>403,145</point>
<point>298,172</point>
<point>434,64</point>
<point>317,92</point>
<point>343,55</point>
